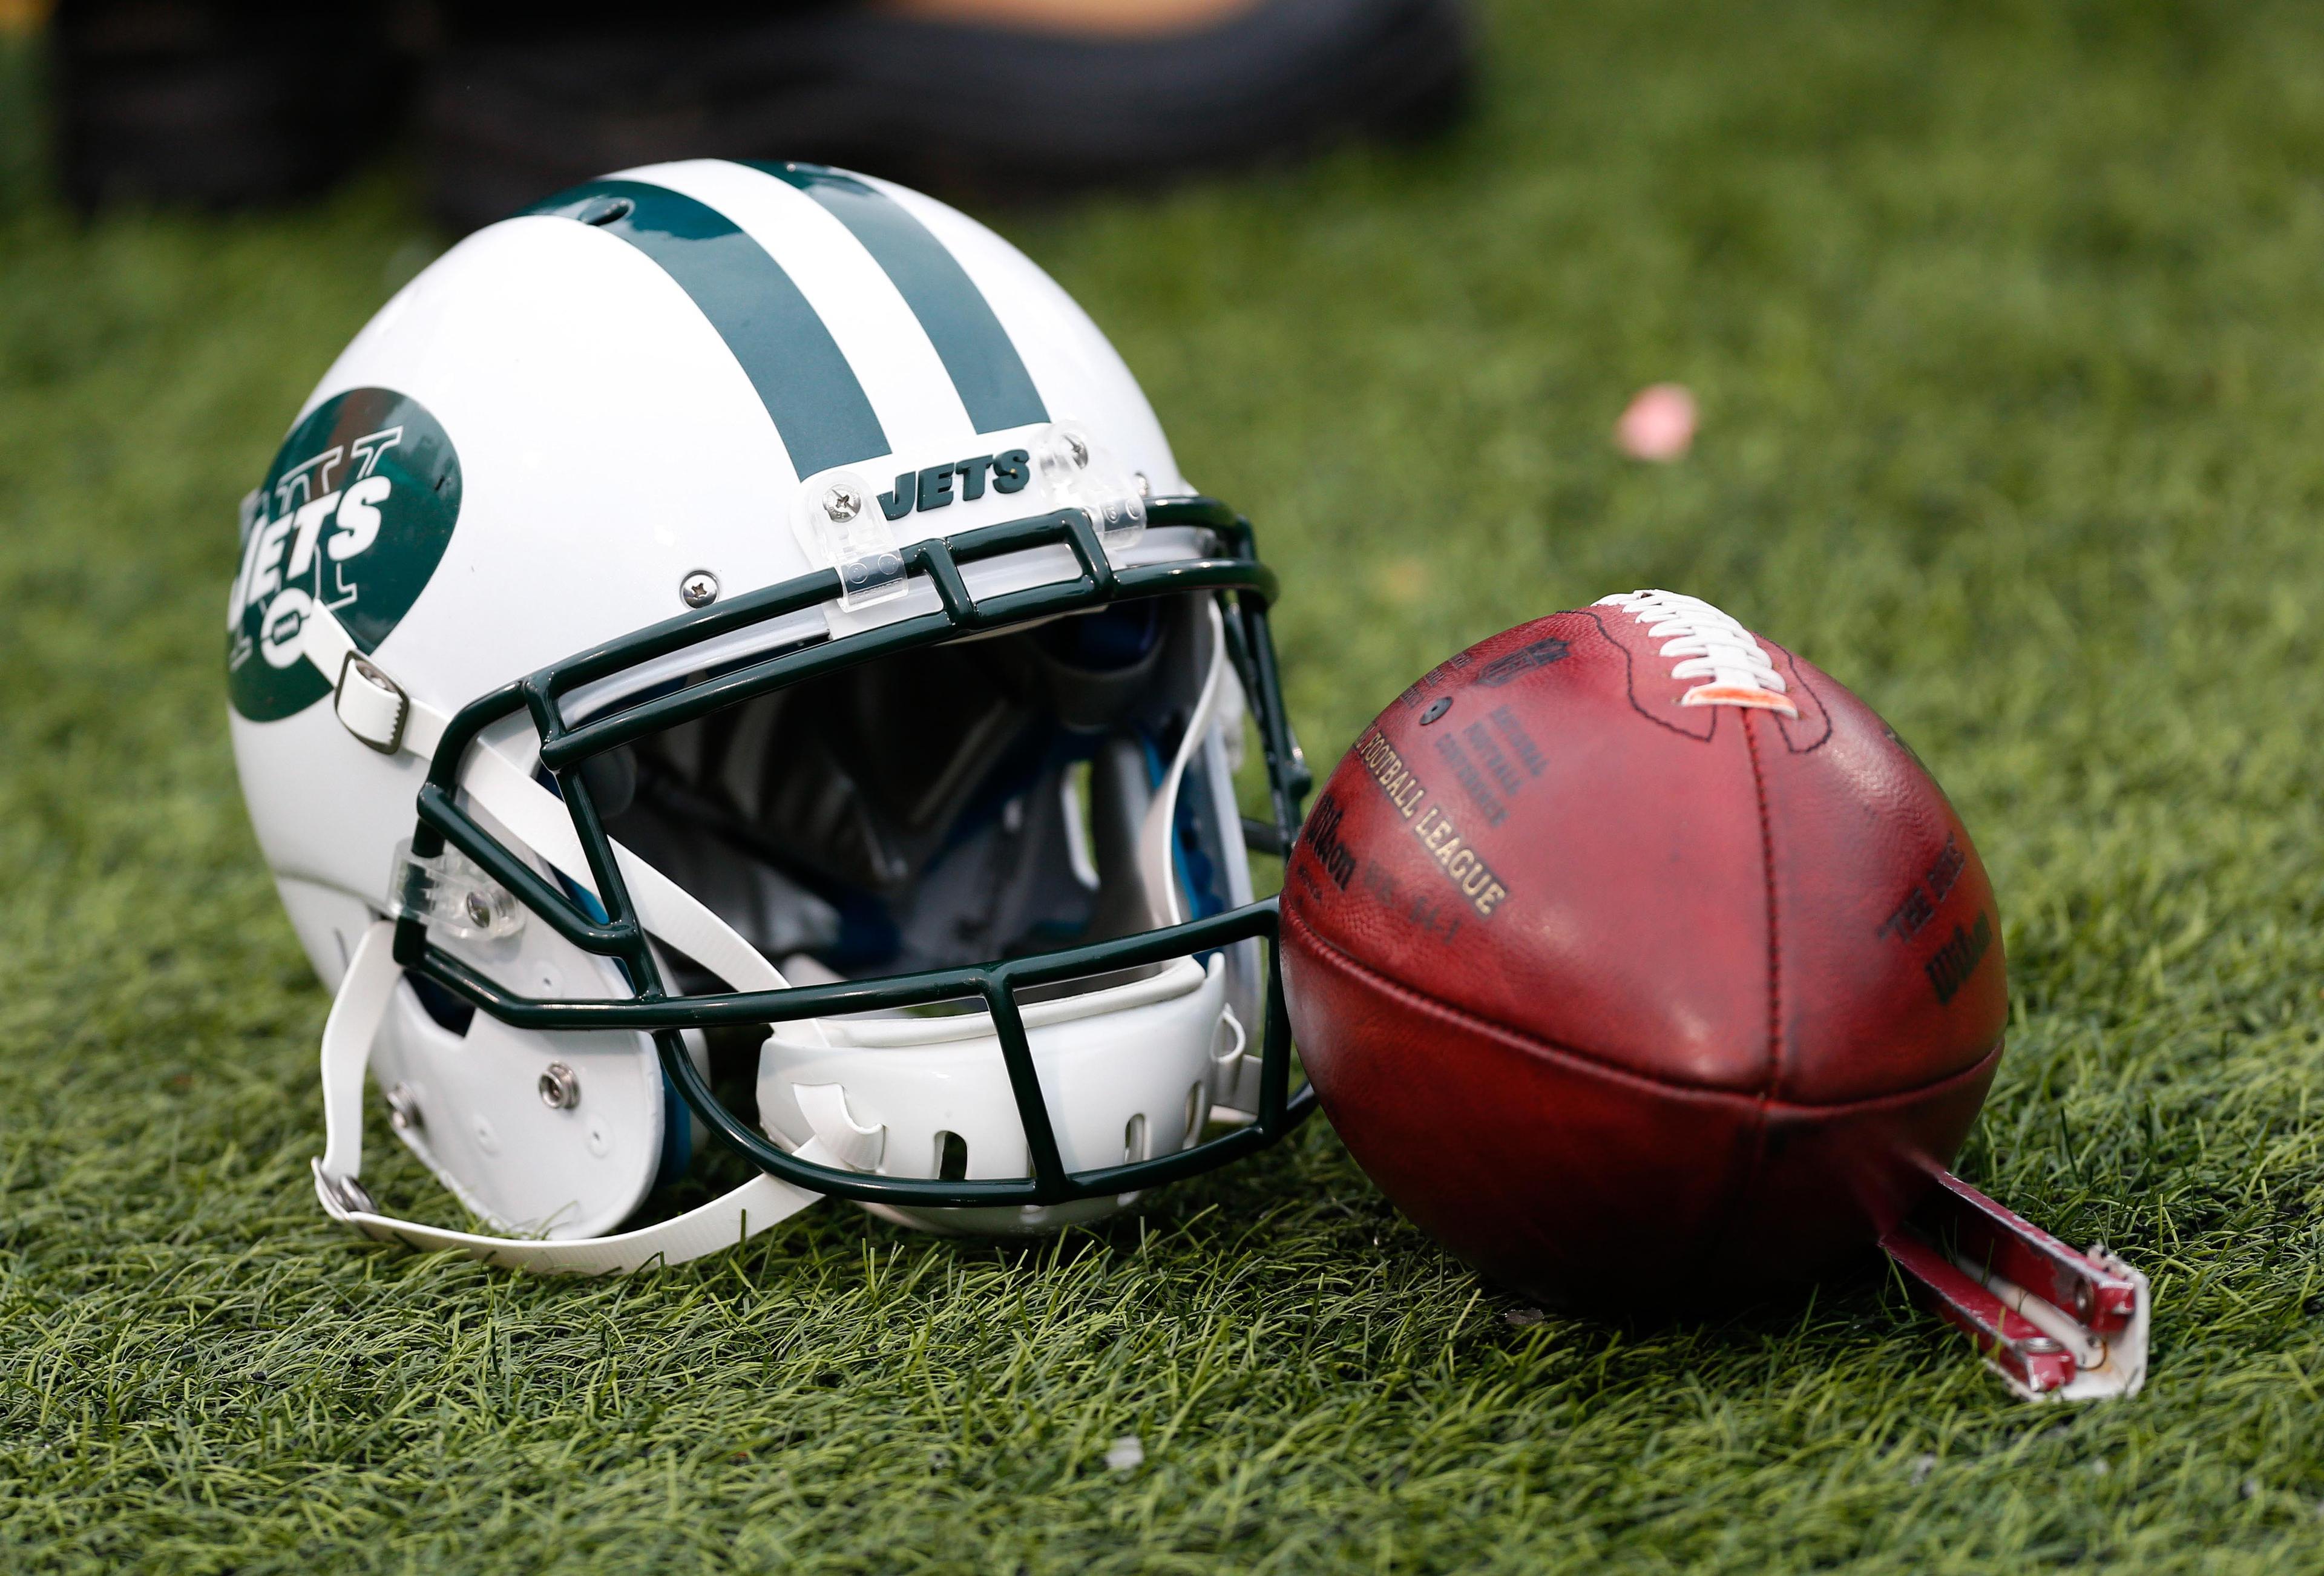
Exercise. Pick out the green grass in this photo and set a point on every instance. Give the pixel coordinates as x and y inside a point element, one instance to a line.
<point>2008,323</point>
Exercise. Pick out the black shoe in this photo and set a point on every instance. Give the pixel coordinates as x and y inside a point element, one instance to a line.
<point>997,111</point>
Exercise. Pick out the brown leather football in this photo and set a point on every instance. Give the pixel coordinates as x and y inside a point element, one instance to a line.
<point>1639,961</point>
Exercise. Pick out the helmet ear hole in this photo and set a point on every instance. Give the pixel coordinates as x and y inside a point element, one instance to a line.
<point>451,1014</point>
<point>1133,1139</point>
<point>952,1157</point>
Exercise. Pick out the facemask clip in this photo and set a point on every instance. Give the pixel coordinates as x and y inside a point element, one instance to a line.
<point>1076,472</point>
<point>451,892</point>
<point>857,539</point>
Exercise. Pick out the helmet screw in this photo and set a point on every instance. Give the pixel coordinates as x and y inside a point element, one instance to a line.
<point>699,588</point>
<point>843,503</point>
<point>559,1089</point>
<point>402,1110</point>
<point>479,910</point>
<point>1076,450</point>
<point>1145,487</point>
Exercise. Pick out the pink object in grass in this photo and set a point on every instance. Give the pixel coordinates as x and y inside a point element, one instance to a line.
<point>1659,424</point>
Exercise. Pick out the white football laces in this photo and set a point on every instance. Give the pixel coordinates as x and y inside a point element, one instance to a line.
<point>1720,654</point>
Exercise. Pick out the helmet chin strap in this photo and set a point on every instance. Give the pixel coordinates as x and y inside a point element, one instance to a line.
<point>347,1038</point>
<point>1157,867</point>
<point>381,715</point>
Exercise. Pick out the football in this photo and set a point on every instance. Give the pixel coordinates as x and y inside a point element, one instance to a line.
<point>1637,960</point>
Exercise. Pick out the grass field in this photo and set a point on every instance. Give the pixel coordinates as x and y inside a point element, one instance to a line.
<point>2007,319</point>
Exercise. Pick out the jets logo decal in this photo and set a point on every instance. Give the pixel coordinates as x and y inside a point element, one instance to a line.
<point>355,516</point>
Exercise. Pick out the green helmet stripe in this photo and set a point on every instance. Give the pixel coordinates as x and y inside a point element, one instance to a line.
<point>814,397</point>
<point>986,370</point>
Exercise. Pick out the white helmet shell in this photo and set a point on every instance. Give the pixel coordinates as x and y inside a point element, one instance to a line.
<point>684,384</point>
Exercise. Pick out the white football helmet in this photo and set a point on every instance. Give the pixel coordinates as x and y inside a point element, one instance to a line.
<point>729,652</point>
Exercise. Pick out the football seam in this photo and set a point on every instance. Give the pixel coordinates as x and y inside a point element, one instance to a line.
<point>1630,687</point>
<point>1824,708</point>
<point>1775,931</point>
<point>1532,1041</point>
<point>1754,1165</point>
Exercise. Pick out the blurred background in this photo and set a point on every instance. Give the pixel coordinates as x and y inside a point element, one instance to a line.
<point>1999,324</point>
<point>238,103</point>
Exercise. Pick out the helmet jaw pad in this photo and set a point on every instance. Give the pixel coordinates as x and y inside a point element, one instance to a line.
<point>1125,1074</point>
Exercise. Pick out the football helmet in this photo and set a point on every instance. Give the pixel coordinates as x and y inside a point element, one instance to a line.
<point>727,655</point>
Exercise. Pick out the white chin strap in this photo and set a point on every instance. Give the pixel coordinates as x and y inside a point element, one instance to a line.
<point>1156,870</point>
<point>347,1037</point>
<point>379,713</point>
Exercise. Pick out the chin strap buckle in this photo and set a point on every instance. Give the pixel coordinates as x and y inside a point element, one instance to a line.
<point>370,705</point>
<point>343,1196</point>
<point>2055,1324</point>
